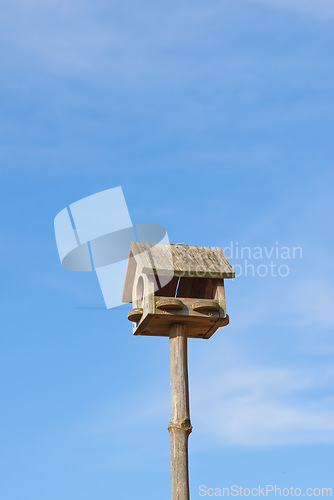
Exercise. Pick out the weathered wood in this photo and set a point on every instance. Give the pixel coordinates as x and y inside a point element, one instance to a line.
<point>198,288</point>
<point>166,261</point>
<point>179,426</point>
<point>168,290</point>
<point>219,293</point>
<point>135,314</point>
<point>169,304</point>
<point>160,312</point>
<point>143,298</point>
<point>198,328</point>
<point>200,305</point>
<point>205,306</point>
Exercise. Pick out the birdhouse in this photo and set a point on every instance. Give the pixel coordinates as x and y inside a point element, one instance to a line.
<point>176,284</point>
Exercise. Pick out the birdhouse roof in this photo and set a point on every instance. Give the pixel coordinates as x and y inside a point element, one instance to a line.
<point>175,260</point>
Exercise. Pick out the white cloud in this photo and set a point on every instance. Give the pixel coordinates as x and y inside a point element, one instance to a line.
<point>121,37</point>
<point>260,406</point>
<point>252,406</point>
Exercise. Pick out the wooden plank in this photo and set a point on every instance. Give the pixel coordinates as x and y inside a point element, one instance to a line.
<point>187,309</point>
<point>187,260</point>
<point>219,294</point>
<point>168,290</point>
<point>225,321</point>
<point>197,288</point>
<point>157,325</point>
<point>129,277</point>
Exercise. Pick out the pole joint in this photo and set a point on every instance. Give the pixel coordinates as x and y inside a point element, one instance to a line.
<point>181,425</point>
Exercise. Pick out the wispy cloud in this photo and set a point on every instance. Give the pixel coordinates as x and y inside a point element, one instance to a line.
<point>133,39</point>
<point>252,406</point>
<point>265,406</point>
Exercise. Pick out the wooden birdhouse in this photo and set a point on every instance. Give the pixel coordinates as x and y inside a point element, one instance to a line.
<point>170,284</point>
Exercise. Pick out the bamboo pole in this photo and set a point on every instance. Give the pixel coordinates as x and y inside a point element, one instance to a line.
<point>179,426</point>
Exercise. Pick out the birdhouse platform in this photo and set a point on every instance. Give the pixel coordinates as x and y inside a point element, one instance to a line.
<point>176,284</point>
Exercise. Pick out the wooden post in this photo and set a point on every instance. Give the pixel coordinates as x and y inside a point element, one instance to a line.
<point>190,304</point>
<point>179,425</point>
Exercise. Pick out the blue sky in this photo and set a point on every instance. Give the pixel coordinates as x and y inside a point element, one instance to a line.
<point>216,119</point>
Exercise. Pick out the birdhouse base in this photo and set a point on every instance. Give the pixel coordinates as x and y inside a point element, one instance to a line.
<point>199,328</point>
<point>201,317</point>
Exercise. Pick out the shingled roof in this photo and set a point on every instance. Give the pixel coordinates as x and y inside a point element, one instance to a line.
<point>175,260</point>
